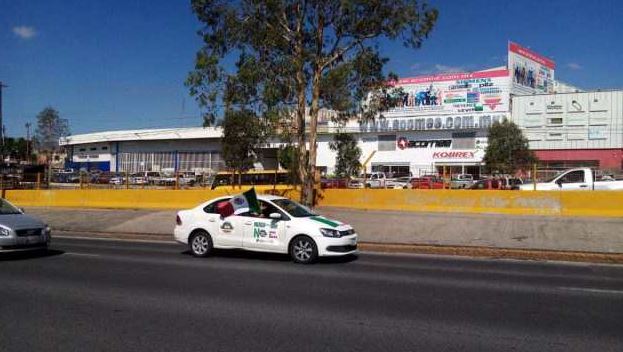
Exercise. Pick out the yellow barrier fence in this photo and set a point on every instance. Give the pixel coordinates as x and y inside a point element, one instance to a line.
<point>570,203</point>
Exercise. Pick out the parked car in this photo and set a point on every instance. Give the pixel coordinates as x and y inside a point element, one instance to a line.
<point>399,183</point>
<point>427,182</point>
<point>582,179</point>
<point>461,181</point>
<point>21,232</point>
<point>355,183</point>
<point>333,183</point>
<point>499,183</point>
<point>117,180</point>
<point>282,226</point>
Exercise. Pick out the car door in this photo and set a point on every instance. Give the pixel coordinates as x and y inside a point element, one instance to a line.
<point>225,232</point>
<point>263,233</point>
<point>573,180</point>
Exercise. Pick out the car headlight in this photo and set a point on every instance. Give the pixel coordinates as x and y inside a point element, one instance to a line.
<point>330,233</point>
<point>4,231</point>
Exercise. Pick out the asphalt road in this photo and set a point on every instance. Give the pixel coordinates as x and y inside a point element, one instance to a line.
<point>90,295</point>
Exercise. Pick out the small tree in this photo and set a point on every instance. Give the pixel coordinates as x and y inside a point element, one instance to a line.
<point>348,153</point>
<point>50,128</point>
<point>242,135</point>
<point>507,150</point>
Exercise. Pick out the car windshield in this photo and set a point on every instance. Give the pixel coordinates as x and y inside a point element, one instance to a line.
<point>293,208</point>
<point>7,208</point>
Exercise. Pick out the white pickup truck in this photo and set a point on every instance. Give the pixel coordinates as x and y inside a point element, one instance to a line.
<point>574,180</point>
<point>376,180</point>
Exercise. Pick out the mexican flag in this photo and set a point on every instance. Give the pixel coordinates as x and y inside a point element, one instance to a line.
<point>240,203</point>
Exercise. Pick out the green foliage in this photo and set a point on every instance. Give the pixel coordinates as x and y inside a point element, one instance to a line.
<point>17,149</point>
<point>348,154</point>
<point>242,134</point>
<point>50,127</point>
<point>293,55</point>
<point>507,150</point>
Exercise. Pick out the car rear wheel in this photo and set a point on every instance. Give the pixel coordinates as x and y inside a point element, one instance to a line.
<point>303,250</point>
<point>200,244</point>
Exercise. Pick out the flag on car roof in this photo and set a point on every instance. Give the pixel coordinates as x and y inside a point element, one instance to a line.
<point>240,203</point>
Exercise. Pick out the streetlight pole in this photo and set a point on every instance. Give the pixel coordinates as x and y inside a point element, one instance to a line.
<point>2,85</point>
<point>28,124</point>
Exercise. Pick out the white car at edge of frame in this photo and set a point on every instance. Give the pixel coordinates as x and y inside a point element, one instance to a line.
<point>283,226</point>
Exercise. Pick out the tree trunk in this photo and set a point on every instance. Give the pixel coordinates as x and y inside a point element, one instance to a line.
<point>310,181</point>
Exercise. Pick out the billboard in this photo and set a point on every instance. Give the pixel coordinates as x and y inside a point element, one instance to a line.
<point>453,93</point>
<point>530,72</point>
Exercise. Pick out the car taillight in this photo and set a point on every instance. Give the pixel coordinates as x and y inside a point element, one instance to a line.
<point>178,220</point>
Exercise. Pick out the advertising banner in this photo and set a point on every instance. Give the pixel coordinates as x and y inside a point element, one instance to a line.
<point>455,93</point>
<point>530,72</point>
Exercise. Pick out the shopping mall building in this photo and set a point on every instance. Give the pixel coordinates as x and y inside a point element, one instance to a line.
<point>440,123</point>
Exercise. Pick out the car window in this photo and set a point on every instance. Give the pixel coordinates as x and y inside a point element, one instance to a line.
<point>293,208</point>
<point>573,177</point>
<point>212,207</point>
<point>7,208</point>
<point>265,210</point>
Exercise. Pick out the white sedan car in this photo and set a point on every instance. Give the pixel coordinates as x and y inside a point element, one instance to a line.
<point>283,226</point>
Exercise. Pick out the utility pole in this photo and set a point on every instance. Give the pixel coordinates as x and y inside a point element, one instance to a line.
<point>28,124</point>
<point>1,120</point>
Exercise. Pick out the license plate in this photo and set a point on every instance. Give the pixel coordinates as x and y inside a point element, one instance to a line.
<point>33,239</point>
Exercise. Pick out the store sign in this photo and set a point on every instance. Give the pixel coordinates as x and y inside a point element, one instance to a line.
<point>404,143</point>
<point>483,91</point>
<point>454,155</point>
<point>472,121</point>
<point>531,72</point>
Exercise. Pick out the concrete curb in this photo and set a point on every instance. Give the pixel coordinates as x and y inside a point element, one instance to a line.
<point>466,251</point>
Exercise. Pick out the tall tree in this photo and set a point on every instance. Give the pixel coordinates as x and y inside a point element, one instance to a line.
<point>295,54</point>
<point>16,148</point>
<point>242,135</point>
<point>348,154</point>
<point>507,149</point>
<point>50,127</point>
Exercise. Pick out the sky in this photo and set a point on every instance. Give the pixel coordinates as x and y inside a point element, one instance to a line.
<point>121,64</point>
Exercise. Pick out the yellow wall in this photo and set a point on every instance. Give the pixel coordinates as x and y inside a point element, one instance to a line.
<point>579,203</point>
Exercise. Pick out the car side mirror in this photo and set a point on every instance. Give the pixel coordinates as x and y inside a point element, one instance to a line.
<point>275,216</point>
<point>559,182</point>
<point>22,210</point>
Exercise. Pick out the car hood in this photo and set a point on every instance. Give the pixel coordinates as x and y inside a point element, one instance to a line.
<point>320,221</point>
<point>20,221</point>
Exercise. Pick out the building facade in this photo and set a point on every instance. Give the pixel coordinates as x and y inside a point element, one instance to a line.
<point>573,129</point>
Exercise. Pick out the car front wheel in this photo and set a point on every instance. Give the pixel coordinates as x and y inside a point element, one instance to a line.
<point>303,250</point>
<point>200,244</point>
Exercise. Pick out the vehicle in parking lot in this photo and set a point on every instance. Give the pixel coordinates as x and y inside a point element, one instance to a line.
<point>355,183</point>
<point>399,183</point>
<point>281,226</point>
<point>21,232</point>
<point>503,183</point>
<point>427,182</point>
<point>461,181</point>
<point>333,183</point>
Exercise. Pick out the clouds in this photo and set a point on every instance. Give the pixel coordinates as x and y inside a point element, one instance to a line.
<point>24,32</point>
<point>574,66</point>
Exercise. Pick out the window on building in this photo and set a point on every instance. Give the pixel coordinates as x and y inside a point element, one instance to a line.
<point>104,148</point>
<point>83,149</point>
<point>555,121</point>
<point>93,148</point>
<point>387,143</point>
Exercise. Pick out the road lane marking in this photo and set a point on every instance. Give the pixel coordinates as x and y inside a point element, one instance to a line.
<point>82,254</point>
<point>592,290</point>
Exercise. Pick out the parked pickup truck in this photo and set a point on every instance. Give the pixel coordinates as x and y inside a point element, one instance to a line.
<point>376,180</point>
<point>574,180</point>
